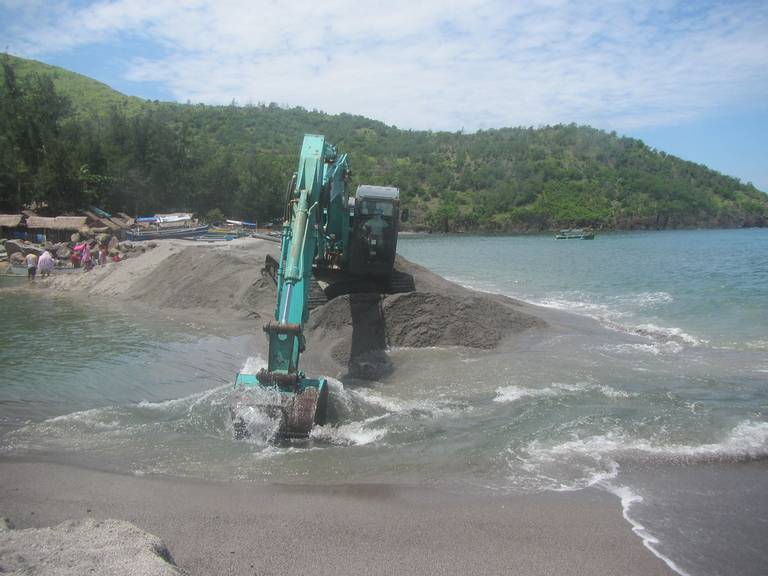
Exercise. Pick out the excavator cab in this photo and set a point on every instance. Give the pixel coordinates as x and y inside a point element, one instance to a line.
<point>374,231</point>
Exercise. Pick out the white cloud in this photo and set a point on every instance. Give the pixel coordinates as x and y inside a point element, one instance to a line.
<point>435,64</point>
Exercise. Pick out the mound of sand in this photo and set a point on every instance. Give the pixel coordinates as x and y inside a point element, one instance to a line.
<point>356,329</point>
<point>210,279</point>
<point>86,546</point>
<point>215,283</point>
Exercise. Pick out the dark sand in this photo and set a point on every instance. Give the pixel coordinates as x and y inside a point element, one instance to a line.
<point>241,528</point>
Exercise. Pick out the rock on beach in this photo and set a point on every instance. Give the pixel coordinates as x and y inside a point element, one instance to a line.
<point>75,548</point>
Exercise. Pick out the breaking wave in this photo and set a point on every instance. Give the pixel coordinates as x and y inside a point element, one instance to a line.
<point>618,313</point>
<point>513,393</point>
<point>667,334</point>
<point>583,462</point>
<point>628,499</point>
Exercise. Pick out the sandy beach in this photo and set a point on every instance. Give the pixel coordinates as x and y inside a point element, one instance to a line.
<point>240,527</point>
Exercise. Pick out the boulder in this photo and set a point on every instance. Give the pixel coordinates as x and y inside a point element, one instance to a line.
<point>16,258</point>
<point>14,246</point>
<point>85,547</point>
<point>75,237</point>
<point>63,252</point>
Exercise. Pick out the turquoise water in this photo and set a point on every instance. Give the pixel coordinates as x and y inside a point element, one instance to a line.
<point>655,391</point>
<point>705,285</point>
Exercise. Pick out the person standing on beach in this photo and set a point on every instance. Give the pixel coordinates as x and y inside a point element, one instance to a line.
<point>45,264</point>
<point>31,261</point>
<point>86,260</point>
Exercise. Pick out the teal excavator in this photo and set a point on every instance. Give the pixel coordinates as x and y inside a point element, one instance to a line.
<point>349,242</point>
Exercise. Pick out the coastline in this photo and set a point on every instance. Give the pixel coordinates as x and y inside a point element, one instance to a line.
<point>264,528</point>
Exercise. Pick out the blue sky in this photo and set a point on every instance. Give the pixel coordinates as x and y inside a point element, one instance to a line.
<point>689,78</point>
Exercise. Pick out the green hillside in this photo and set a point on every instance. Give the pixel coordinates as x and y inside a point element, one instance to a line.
<point>70,141</point>
<point>88,96</point>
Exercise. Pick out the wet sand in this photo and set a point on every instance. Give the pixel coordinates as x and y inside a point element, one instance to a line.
<point>254,528</point>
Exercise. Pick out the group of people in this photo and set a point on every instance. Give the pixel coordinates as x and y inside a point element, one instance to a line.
<point>81,257</point>
<point>44,264</point>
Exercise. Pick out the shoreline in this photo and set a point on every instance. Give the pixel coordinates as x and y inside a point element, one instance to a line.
<point>549,232</point>
<point>263,528</point>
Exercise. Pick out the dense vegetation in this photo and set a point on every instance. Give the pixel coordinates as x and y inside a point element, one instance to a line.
<point>67,141</point>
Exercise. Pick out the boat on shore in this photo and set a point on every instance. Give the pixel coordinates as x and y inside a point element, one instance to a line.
<point>137,235</point>
<point>575,234</point>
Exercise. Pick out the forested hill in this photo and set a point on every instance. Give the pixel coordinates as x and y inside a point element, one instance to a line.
<point>69,141</point>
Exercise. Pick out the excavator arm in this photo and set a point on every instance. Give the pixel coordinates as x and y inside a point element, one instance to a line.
<point>348,244</point>
<point>315,205</point>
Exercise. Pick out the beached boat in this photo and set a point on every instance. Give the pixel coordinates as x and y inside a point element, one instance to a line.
<point>575,234</point>
<point>137,235</point>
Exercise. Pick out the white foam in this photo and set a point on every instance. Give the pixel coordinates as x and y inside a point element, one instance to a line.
<point>253,365</point>
<point>351,434</point>
<point>91,418</point>
<point>513,393</point>
<point>597,311</point>
<point>646,299</point>
<point>394,406</point>
<point>259,410</point>
<point>610,392</point>
<point>746,440</point>
<point>655,348</point>
<point>193,400</point>
<point>668,334</point>
<point>669,340</point>
<point>629,498</point>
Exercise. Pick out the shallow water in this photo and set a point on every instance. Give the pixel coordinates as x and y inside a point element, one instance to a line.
<point>664,383</point>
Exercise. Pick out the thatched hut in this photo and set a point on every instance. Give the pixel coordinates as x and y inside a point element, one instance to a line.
<point>57,229</point>
<point>8,224</point>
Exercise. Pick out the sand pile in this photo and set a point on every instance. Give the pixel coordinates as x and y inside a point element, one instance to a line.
<point>223,280</point>
<point>86,546</point>
<point>215,283</point>
<point>356,329</point>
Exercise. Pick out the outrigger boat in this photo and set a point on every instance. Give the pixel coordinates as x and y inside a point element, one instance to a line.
<point>137,235</point>
<point>575,234</point>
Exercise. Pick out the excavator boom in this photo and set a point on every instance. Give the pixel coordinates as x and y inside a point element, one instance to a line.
<point>326,231</point>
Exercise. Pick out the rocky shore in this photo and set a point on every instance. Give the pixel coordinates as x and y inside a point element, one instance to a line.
<point>14,251</point>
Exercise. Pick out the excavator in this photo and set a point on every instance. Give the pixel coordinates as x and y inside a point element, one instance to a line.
<point>348,243</point>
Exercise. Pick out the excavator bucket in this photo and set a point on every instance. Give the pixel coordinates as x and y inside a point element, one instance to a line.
<point>298,408</point>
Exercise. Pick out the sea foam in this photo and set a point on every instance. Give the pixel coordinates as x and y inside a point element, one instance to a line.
<point>513,393</point>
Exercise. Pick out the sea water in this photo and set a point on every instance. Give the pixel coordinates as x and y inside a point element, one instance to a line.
<point>653,388</point>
